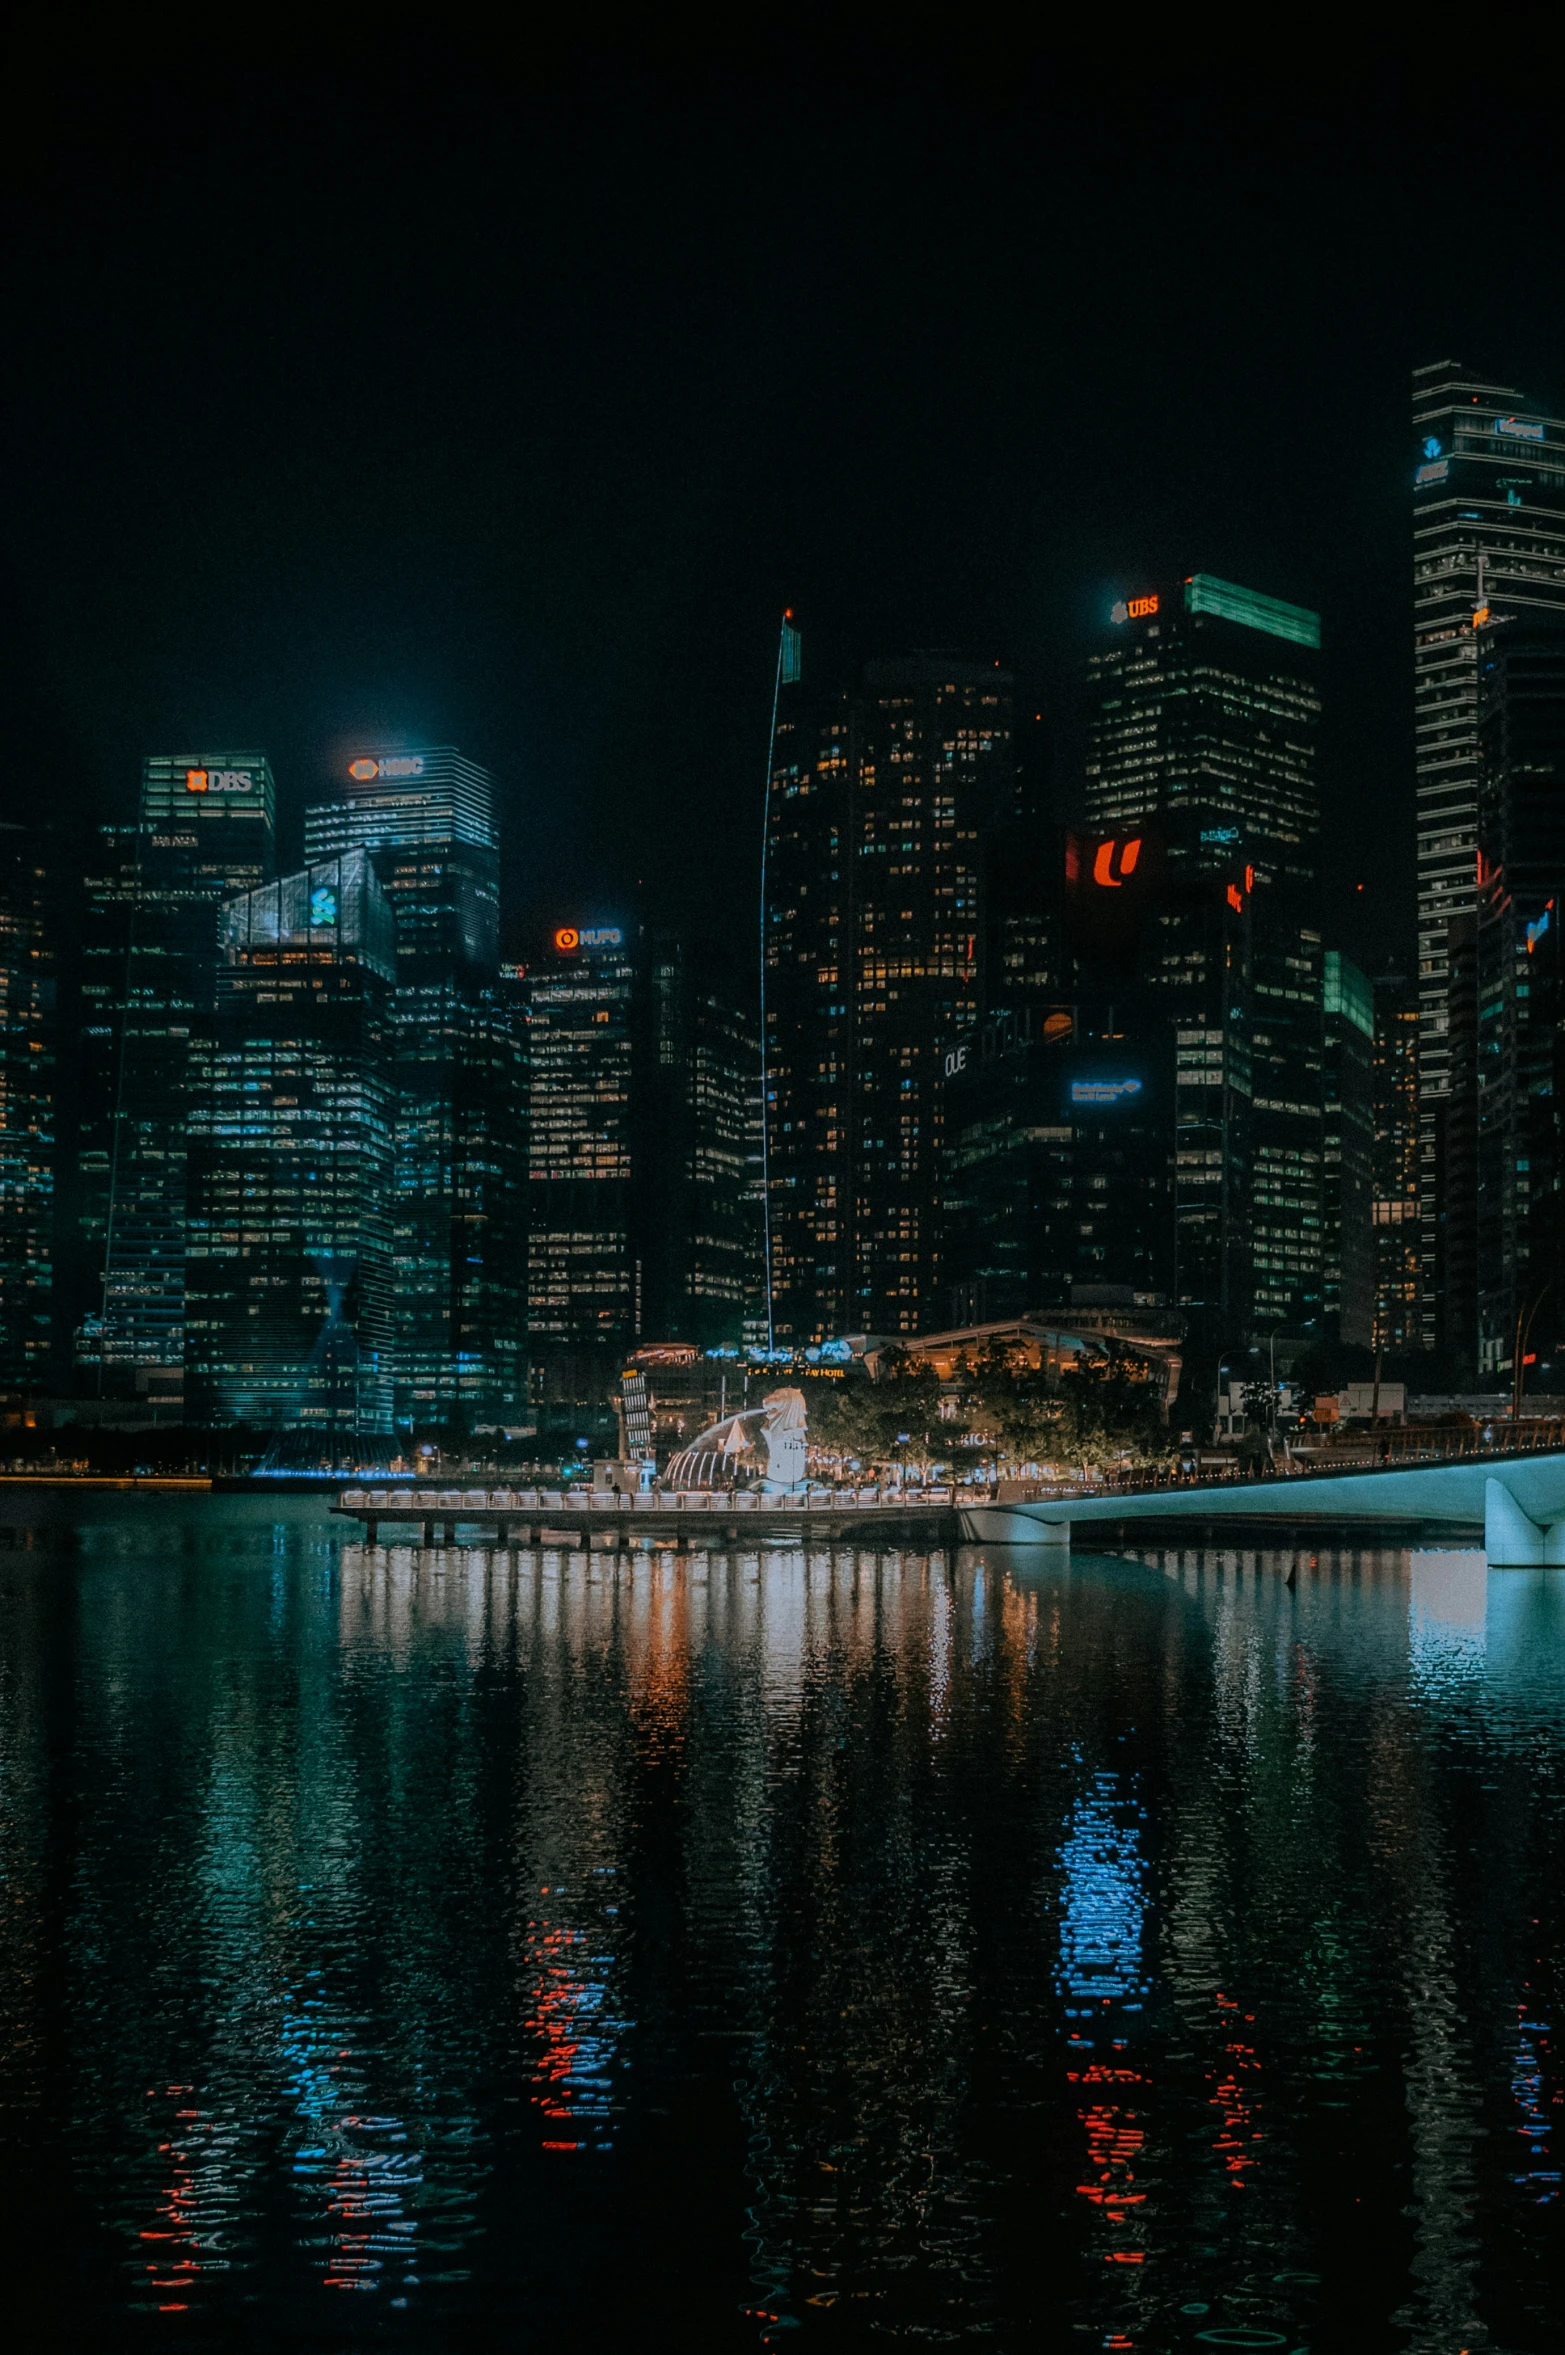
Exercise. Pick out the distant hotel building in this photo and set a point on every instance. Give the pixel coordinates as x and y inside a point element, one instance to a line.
<point>424,817</point>
<point>1488,490</point>
<point>1395,1202</point>
<point>288,1289</point>
<point>204,832</point>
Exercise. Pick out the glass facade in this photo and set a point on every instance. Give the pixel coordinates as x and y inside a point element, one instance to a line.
<point>27,1052</point>
<point>289,1163</point>
<point>424,817</point>
<point>1348,1273</point>
<point>1203,724</point>
<point>1395,1205</point>
<point>876,935</point>
<point>1487,479</point>
<point>204,831</point>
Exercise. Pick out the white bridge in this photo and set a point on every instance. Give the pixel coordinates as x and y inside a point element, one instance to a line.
<point>1517,1500</point>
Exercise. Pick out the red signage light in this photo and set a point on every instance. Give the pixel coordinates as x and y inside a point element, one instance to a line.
<point>1104,862</point>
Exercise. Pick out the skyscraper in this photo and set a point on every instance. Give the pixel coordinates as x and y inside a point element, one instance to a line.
<point>27,1125</point>
<point>424,817</point>
<point>1202,733</point>
<point>204,832</point>
<point>1501,1173</point>
<point>583,1291</point>
<point>1348,1271</point>
<point>288,1272</point>
<point>876,930</point>
<point>642,1213</point>
<point>1395,1205</point>
<point>1488,488</point>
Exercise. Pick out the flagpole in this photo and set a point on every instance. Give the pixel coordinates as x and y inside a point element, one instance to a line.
<point>766,828</point>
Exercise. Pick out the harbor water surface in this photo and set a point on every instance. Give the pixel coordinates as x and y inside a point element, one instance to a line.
<point>979,1948</point>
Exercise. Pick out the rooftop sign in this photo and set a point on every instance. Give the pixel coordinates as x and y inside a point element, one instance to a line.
<point>219,781</point>
<point>402,764</point>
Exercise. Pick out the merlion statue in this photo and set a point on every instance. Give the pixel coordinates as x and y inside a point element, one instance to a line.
<point>786,1440</point>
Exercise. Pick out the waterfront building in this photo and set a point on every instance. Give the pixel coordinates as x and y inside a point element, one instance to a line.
<point>1059,1172</point>
<point>204,831</point>
<point>1202,729</point>
<point>289,1265</point>
<point>876,933</point>
<point>1348,1246</point>
<point>642,1214</point>
<point>27,1113</point>
<point>1394,1171</point>
<point>1499,1124</point>
<point>1488,491</point>
<point>423,815</point>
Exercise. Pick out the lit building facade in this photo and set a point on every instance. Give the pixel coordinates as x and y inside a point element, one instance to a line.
<point>204,831</point>
<point>643,1212</point>
<point>1500,1128</point>
<point>1203,722</point>
<point>1395,1203</point>
<point>27,1114</point>
<point>289,1266</point>
<point>424,818</point>
<point>880,808</point>
<point>1348,1060</point>
<point>1488,489</point>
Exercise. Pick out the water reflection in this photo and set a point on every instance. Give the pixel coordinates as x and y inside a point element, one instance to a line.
<point>867,1945</point>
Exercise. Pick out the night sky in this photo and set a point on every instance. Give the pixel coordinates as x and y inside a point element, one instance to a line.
<point>511,415</point>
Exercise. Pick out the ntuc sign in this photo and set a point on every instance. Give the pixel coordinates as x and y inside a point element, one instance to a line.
<point>219,781</point>
<point>402,764</point>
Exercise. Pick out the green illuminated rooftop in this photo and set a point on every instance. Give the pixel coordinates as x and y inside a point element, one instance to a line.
<point>1204,593</point>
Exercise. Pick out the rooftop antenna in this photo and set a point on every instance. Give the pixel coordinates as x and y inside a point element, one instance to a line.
<point>789,665</point>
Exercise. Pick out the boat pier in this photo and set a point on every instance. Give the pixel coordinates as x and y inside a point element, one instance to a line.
<point>498,1519</point>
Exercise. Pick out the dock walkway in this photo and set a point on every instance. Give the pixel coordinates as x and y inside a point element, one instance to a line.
<point>506,1517</point>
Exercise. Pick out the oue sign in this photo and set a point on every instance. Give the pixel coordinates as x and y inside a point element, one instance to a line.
<point>956,1061</point>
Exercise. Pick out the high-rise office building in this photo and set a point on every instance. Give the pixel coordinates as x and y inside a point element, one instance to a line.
<point>1348,1269</point>
<point>1203,720</point>
<point>643,1211</point>
<point>1488,488</point>
<point>290,1162</point>
<point>27,1114</point>
<point>1059,1178</point>
<point>1395,1204</point>
<point>1501,1173</point>
<point>876,934</point>
<point>204,831</point>
<point>424,817</point>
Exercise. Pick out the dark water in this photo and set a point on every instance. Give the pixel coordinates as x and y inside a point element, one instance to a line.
<point>957,1949</point>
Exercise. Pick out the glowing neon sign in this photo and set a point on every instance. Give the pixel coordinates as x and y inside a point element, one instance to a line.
<point>219,781</point>
<point>1536,931</point>
<point>604,936</point>
<point>1103,1091</point>
<point>1134,609</point>
<point>1435,471</point>
<point>404,764</point>
<point>1103,863</point>
<point>1219,834</point>
<point>323,904</point>
<point>1520,429</point>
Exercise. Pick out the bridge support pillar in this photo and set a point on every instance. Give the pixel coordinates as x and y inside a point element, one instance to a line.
<point>1512,1539</point>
